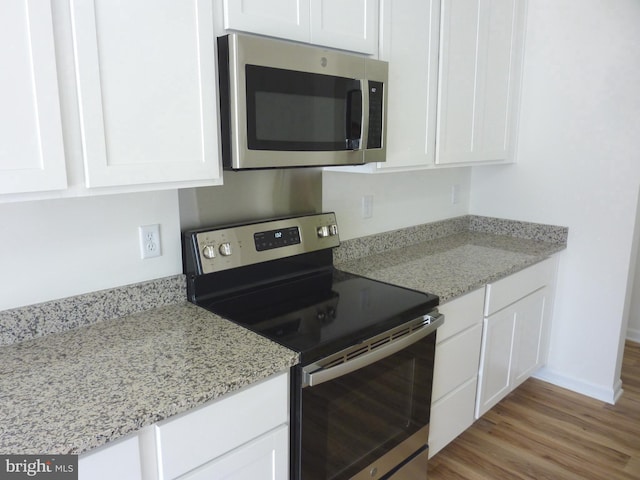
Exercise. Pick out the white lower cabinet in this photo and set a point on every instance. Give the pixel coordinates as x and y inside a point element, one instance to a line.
<point>243,435</point>
<point>263,458</point>
<point>120,459</point>
<point>456,369</point>
<point>515,334</point>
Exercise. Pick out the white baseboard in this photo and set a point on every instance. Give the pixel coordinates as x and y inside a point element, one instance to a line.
<point>609,395</point>
<point>633,334</point>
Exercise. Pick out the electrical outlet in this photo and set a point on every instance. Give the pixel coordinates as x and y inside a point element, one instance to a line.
<point>150,241</point>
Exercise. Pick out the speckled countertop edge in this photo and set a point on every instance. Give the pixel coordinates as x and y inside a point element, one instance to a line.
<point>73,391</point>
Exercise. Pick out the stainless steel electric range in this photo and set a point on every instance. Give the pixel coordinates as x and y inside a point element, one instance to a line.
<point>361,394</point>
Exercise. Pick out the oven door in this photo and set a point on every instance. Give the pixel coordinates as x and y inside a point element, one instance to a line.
<point>368,417</point>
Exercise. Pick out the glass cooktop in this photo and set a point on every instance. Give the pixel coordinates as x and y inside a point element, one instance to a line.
<point>323,312</point>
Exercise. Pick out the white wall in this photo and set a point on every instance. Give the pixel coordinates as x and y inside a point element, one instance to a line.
<point>58,248</point>
<point>400,199</point>
<point>579,166</point>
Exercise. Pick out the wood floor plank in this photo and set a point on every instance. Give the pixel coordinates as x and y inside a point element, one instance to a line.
<point>542,432</point>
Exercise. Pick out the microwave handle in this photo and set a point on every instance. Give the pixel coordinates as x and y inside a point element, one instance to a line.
<point>357,113</point>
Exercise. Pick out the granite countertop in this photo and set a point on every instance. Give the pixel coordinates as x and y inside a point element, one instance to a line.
<point>77,373</point>
<point>450,265</point>
<point>72,391</point>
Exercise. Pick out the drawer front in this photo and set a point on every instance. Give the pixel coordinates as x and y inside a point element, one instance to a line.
<point>461,313</point>
<point>508,290</point>
<point>456,361</point>
<point>451,416</point>
<point>199,436</point>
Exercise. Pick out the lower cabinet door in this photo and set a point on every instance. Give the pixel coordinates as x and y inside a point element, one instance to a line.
<point>265,458</point>
<point>495,359</point>
<point>527,355</point>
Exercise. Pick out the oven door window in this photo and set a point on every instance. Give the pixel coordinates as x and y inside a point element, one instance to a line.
<point>349,422</point>
<point>298,111</point>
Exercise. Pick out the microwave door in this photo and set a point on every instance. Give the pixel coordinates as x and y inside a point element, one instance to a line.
<point>302,119</point>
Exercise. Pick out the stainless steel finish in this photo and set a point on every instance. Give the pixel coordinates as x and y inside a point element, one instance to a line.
<point>333,229</point>
<point>416,469</point>
<point>398,454</point>
<point>371,351</point>
<point>209,251</point>
<point>239,242</point>
<point>377,71</point>
<point>323,231</point>
<point>246,49</point>
<point>225,249</point>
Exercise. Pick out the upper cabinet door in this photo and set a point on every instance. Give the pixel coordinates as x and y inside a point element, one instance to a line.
<point>146,90</point>
<point>31,146</point>
<point>346,24</point>
<point>481,49</point>
<point>409,31</point>
<point>276,18</point>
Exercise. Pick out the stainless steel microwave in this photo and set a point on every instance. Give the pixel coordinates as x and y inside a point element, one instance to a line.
<point>289,105</point>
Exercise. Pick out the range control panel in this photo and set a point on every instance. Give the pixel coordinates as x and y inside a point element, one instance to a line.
<point>222,248</point>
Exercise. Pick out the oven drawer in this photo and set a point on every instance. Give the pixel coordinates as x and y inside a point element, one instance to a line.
<point>201,435</point>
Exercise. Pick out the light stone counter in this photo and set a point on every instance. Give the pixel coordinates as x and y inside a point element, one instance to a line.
<point>76,373</point>
<point>452,257</point>
<point>72,391</point>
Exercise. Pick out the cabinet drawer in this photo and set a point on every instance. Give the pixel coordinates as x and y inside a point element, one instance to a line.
<point>451,415</point>
<point>456,361</point>
<point>508,290</point>
<point>461,313</point>
<point>265,458</point>
<point>198,436</point>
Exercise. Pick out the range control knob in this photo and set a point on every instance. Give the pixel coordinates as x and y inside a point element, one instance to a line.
<point>323,231</point>
<point>225,249</point>
<point>209,251</point>
<point>333,229</point>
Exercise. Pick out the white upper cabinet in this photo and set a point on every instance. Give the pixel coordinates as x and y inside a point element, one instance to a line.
<point>481,50</point>
<point>344,24</point>
<point>409,32</point>
<point>276,18</point>
<point>455,71</point>
<point>31,147</point>
<point>146,83</point>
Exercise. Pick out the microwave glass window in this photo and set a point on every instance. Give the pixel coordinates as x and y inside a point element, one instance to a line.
<point>299,111</point>
<point>294,124</point>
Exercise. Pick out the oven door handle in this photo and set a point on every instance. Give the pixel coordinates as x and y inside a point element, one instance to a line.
<point>314,374</point>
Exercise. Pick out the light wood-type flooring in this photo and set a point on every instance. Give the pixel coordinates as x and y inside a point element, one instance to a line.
<point>544,432</point>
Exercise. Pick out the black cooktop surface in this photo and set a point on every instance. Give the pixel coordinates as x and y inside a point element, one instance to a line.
<point>323,312</point>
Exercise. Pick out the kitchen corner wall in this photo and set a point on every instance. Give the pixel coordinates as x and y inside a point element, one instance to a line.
<point>579,166</point>
<point>400,199</point>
